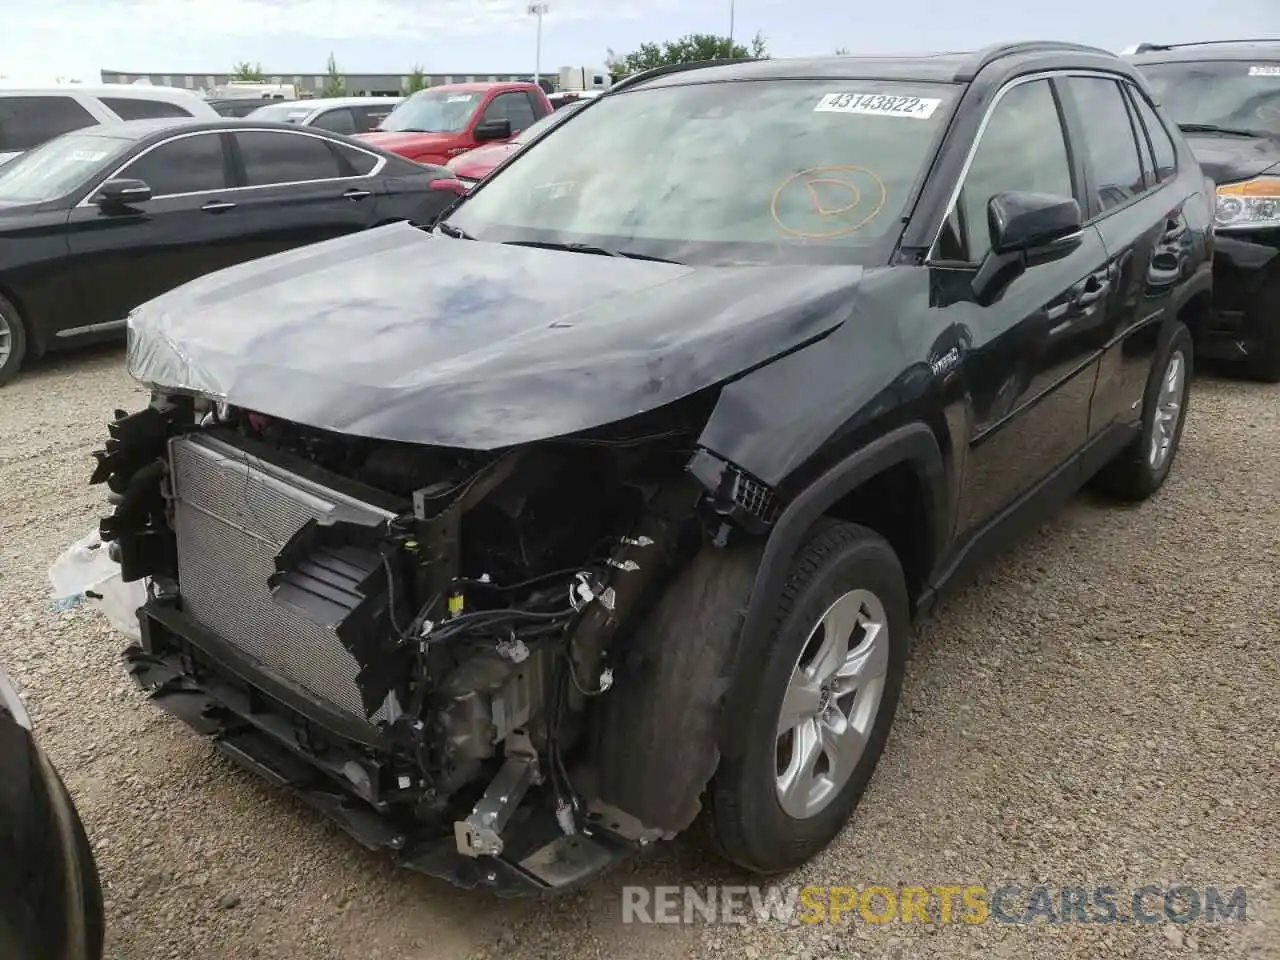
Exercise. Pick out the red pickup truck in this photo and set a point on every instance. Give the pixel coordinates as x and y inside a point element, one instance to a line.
<point>440,123</point>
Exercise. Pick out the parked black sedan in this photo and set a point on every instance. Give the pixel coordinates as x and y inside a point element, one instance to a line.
<point>1226,99</point>
<point>50,895</point>
<point>100,220</point>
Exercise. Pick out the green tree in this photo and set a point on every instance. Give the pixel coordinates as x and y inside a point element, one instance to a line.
<point>244,70</point>
<point>417,81</point>
<point>691,48</point>
<point>335,84</point>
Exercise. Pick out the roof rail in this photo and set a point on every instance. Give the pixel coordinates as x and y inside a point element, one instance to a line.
<point>988,55</point>
<point>1148,47</point>
<point>654,72</point>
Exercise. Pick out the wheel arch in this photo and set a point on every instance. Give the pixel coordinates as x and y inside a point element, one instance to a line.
<point>847,491</point>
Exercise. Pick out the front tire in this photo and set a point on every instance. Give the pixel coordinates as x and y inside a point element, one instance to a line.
<point>823,700</point>
<point>13,341</point>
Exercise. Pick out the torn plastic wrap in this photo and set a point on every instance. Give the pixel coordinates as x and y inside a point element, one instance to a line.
<point>397,334</point>
<point>86,573</point>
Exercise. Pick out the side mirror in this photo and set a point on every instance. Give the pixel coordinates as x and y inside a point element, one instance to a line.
<point>1026,229</point>
<point>1026,221</point>
<point>122,193</point>
<point>493,130</point>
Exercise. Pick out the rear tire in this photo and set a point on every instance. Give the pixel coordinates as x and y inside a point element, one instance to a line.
<point>789,782</point>
<point>1140,469</point>
<point>13,341</point>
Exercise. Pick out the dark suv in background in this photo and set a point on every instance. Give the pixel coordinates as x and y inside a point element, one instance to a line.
<point>647,459</point>
<point>1226,98</point>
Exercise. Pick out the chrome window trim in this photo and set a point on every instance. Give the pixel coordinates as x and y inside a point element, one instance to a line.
<point>977,142</point>
<point>381,162</point>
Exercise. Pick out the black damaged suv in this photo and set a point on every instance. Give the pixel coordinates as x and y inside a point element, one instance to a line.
<point>1226,99</point>
<point>521,544</point>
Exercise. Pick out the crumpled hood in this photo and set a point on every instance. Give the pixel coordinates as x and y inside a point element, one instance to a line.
<point>399,334</point>
<point>1227,159</point>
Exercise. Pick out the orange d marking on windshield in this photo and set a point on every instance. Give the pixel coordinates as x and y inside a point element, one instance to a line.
<point>830,192</point>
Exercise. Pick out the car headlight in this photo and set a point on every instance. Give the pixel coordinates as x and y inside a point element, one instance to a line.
<point>1249,204</point>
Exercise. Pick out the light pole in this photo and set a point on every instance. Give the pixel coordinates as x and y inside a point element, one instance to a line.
<point>731,28</point>
<point>538,10</point>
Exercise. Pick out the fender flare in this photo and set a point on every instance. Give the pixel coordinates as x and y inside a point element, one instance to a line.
<point>913,443</point>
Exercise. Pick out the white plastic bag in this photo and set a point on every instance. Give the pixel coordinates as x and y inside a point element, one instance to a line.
<point>85,572</point>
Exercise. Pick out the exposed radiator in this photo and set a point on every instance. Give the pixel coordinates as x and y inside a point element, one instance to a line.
<point>232,514</point>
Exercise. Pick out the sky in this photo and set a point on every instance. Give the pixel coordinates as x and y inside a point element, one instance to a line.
<point>77,38</point>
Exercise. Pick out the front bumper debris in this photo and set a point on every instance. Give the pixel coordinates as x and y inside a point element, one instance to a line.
<point>284,735</point>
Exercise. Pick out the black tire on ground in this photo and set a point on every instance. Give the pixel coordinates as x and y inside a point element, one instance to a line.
<point>1264,363</point>
<point>12,330</point>
<point>744,816</point>
<point>1131,475</point>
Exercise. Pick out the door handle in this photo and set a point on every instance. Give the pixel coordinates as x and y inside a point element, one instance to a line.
<point>1093,291</point>
<point>1174,228</point>
<point>218,206</point>
<point>356,193</point>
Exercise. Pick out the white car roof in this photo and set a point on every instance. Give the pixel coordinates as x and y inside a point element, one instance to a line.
<point>121,90</point>
<point>326,103</point>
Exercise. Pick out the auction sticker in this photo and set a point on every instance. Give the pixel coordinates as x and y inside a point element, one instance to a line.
<point>1265,70</point>
<point>878,105</point>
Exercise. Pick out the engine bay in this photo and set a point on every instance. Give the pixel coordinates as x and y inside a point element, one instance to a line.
<point>482,595</point>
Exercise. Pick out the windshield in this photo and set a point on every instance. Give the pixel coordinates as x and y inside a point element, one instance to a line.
<point>546,123</point>
<point>1221,93</point>
<point>56,168</point>
<point>778,171</point>
<point>433,111</point>
<point>281,113</point>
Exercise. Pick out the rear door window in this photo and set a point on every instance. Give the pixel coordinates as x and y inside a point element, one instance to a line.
<point>136,108</point>
<point>1109,141</point>
<point>1161,143</point>
<point>339,120</point>
<point>362,163</point>
<point>27,122</point>
<point>276,158</point>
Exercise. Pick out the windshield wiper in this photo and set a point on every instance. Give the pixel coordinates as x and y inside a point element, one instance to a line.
<point>587,248</point>
<point>1214,128</point>
<point>449,230</point>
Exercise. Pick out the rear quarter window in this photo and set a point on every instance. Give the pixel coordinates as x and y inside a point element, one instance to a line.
<point>1161,143</point>
<point>27,122</point>
<point>136,108</point>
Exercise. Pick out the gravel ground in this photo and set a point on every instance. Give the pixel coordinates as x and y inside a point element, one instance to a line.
<point>1100,709</point>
